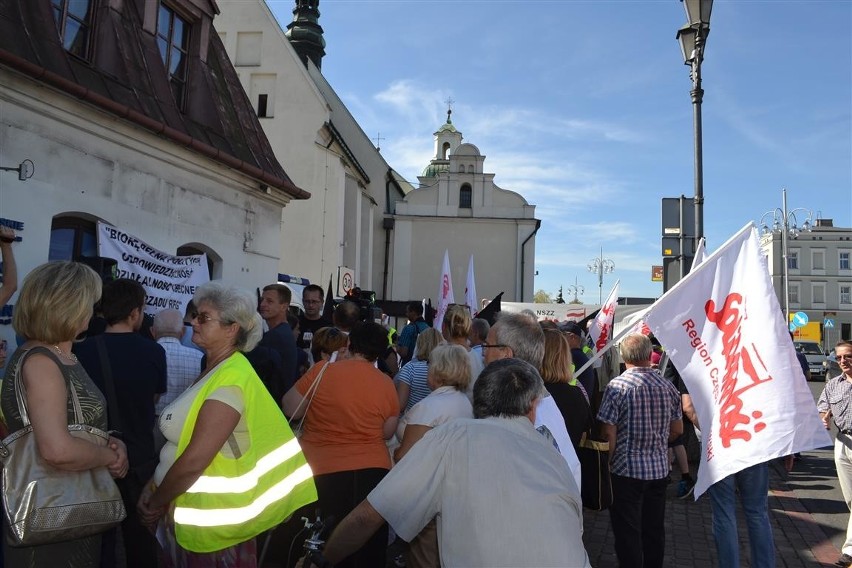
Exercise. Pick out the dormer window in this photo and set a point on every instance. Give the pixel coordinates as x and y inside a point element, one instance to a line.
<point>74,24</point>
<point>173,41</point>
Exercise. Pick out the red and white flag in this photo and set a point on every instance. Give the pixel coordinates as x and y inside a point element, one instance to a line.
<point>445,293</point>
<point>724,331</point>
<point>600,332</point>
<point>470,289</point>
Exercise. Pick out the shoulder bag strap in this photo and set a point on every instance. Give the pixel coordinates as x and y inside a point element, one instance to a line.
<point>309,396</point>
<point>21,390</point>
<point>113,414</point>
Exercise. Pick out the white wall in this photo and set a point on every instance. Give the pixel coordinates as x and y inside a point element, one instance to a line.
<point>311,236</point>
<point>88,161</point>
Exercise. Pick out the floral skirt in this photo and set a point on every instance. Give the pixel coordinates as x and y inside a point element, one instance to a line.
<point>243,555</point>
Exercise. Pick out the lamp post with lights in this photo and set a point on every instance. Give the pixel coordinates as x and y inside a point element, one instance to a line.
<point>601,266</point>
<point>787,224</point>
<point>692,38</point>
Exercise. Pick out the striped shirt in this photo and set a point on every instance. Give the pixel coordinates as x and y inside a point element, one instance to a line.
<point>414,375</point>
<point>837,397</point>
<point>642,405</point>
<point>183,365</point>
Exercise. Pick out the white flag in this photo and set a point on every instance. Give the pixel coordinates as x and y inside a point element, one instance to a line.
<point>724,331</point>
<point>470,289</point>
<point>445,293</point>
<point>700,254</point>
<point>600,332</point>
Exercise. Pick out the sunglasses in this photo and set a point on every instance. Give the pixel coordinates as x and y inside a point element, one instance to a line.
<point>203,317</point>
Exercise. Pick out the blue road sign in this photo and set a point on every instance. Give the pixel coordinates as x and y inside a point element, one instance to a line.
<point>800,319</point>
<point>828,323</point>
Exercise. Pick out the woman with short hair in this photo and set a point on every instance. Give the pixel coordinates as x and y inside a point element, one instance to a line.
<point>449,377</point>
<point>217,432</point>
<point>353,411</point>
<point>327,341</point>
<point>54,306</point>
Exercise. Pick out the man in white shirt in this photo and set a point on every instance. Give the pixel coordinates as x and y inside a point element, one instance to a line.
<point>501,493</point>
<point>520,336</point>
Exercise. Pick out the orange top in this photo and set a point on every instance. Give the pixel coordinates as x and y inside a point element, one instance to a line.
<point>343,426</point>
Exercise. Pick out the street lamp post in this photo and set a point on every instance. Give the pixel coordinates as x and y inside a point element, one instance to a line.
<point>786,223</point>
<point>576,289</point>
<point>692,38</point>
<point>601,266</point>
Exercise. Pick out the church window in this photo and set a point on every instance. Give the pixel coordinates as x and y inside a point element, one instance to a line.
<point>445,150</point>
<point>74,24</point>
<point>465,197</point>
<point>173,41</point>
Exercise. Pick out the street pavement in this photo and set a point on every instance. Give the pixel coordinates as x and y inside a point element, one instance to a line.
<point>807,514</point>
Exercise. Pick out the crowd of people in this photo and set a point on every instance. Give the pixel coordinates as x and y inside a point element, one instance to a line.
<point>235,416</point>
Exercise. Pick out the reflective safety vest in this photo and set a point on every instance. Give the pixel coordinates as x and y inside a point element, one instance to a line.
<point>588,351</point>
<point>235,499</point>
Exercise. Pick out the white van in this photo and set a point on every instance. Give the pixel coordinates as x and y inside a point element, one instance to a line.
<point>814,354</point>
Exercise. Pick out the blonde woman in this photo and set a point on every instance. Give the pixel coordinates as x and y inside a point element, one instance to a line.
<point>449,377</point>
<point>456,330</point>
<point>54,306</point>
<point>567,392</point>
<point>411,385</point>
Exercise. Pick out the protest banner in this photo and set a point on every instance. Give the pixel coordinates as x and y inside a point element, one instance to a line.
<point>169,281</point>
<point>723,329</point>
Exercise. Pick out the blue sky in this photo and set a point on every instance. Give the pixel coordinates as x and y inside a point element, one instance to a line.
<point>583,107</point>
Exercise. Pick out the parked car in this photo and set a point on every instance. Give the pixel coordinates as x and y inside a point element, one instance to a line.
<point>815,356</point>
<point>832,367</point>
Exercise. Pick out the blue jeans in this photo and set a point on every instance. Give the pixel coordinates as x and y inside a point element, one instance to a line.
<point>753,486</point>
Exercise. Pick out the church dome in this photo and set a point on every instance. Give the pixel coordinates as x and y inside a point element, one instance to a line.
<point>435,168</point>
<point>447,127</point>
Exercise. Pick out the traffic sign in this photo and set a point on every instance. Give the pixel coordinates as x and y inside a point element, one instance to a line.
<point>828,323</point>
<point>800,319</point>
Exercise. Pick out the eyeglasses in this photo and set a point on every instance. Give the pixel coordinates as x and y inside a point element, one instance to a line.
<point>204,317</point>
<point>494,346</point>
<point>842,357</point>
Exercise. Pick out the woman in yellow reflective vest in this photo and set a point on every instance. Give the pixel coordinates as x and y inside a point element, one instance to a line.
<point>231,467</point>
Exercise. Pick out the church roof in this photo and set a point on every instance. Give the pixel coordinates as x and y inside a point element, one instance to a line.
<point>447,127</point>
<point>435,168</point>
<point>126,77</point>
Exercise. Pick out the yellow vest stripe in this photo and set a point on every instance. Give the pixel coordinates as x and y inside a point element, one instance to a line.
<point>249,480</point>
<point>239,515</point>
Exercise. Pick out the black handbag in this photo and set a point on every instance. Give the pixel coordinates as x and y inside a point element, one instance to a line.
<point>596,490</point>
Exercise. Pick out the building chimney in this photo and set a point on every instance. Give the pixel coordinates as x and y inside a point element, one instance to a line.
<point>824,222</point>
<point>305,33</point>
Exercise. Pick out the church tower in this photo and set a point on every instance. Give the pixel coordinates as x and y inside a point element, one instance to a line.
<point>305,33</point>
<point>447,139</point>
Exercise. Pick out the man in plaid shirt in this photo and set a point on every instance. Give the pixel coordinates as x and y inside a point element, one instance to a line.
<point>835,405</point>
<point>641,412</point>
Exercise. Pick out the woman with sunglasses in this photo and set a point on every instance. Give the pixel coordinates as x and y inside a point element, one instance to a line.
<point>218,433</point>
